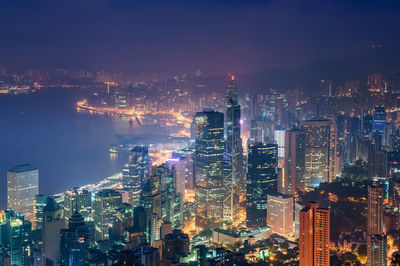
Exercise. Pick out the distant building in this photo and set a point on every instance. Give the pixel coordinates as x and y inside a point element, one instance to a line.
<point>39,203</point>
<point>15,237</point>
<point>314,235</point>
<point>22,186</point>
<point>186,156</point>
<point>320,151</point>
<point>74,241</point>
<point>136,172</point>
<point>176,245</point>
<point>297,209</point>
<point>294,162</point>
<point>261,181</point>
<point>279,138</point>
<point>210,148</point>
<point>53,222</point>
<point>77,200</point>
<point>105,207</point>
<point>233,159</point>
<point>376,240</point>
<point>379,122</point>
<point>151,201</point>
<point>280,214</point>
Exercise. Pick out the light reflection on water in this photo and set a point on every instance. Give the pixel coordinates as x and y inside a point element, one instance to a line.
<point>69,148</point>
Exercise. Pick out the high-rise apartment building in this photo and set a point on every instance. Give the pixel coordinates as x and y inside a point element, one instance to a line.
<point>314,235</point>
<point>280,214</point>
<point>294,162</point>
<point>22,186</point>
<point>261,181</point>
<point>320,151</point>
<point>210,147</point>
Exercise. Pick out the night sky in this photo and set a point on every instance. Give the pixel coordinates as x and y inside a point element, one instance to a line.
<point>165,36</point>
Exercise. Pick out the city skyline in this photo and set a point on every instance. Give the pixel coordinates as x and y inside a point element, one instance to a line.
<point>199,133</point>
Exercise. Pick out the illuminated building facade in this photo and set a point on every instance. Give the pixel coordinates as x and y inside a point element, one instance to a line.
<point>105,207</point>
<point>136,172</point>
<point>176,244</point>
<point>74,241</point>
<point>15,237</point>
<point>376,240</point>
<point>261,181</point>
<point>379,122</point>
<point>186,156</point>
<point>233,164</point>
<point>77,200</point>
<point>320,151</point>
<point>22,186</point>
<point>314,235</point>
<point>210,149</point>
<point>151,200</point>
<point>294,162</point>
<point>377,157</point>
<point>171,199</point>
<point>279,138</point>
<point>280,214</point>
<point>40,202</point>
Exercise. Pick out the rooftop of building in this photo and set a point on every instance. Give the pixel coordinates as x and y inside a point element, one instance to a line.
<point>107,193</point>
<point>22,168</point>
<point>280,195</point>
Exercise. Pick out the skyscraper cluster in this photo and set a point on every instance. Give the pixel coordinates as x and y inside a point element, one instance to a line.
<point>239,190</point>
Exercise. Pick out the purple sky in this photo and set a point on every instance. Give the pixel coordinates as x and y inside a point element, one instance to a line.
<point>218,35</point>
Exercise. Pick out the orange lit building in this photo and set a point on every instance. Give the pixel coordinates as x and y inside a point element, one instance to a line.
<point>314,235</point>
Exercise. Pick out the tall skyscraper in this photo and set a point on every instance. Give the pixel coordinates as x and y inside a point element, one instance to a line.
<point>261,181</point>
<point>314,235</point>
<point>176,245</point>
<point>294,163</point>
<point>186,167</point>
<point>15,237</point>
<point>279,138</point>
<point>171,199</point>
<point>136,173</point>
<point>280,214</point>
<point>77,200</point>
<point>233,164</point>
<point>376,240</point>
<point>39,203</point>
<point>22,186</point>
<point>210,149</point>
<point>151,201</point>
<point>74,241</point>
<point>105,207</point>
<point>320,151</point>
<point>53,222</point>
<point>377,157</point>
<point>379,122</point>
